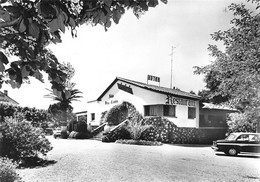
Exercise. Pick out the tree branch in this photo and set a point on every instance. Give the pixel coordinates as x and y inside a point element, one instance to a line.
<point>10,23</point>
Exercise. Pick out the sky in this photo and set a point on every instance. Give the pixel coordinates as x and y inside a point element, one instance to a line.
<point>135,48</point>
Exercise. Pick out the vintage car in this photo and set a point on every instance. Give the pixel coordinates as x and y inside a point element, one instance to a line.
<point>238,142</point>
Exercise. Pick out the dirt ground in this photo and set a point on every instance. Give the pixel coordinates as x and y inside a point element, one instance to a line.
<point>91,160</point>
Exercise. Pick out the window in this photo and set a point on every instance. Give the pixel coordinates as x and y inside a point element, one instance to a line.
<point>191,112</point>
<point>92,116</point>
<point>153,110</point>
<point>160,110</point>
<point>169,110</point>
<point>243,138</point>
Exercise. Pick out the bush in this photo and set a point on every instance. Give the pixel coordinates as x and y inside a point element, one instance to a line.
<point>119,133</point>
<point>37,117</point>
<point>241,122</point>
<point>64,133</point>
<point>136,128</point>
<point>82,127</point>
<point>23,141</point>
<point>79,135</point>
<point>119,113</point>
<point>139,142</point>
<point>73,134</point>
<point>8,171</point>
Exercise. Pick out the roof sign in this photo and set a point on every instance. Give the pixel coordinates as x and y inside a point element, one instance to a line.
<point>125,88</point>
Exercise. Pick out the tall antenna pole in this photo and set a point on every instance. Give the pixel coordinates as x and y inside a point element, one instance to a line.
<point>171,66</point>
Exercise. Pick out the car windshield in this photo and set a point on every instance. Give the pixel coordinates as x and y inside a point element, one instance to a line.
<point>231,137</point>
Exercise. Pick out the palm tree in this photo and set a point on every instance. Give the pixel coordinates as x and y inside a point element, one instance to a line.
<point>64,99</point>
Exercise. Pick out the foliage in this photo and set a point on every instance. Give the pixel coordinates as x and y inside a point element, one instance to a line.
<point>160,130</point>
<point>22,141</point>
<point>58,116</point>
<point>8,170</point>
<point>73,134</point>
<point>64,133</point>
<point>120,133</point>
<point>27,27</point>
<point>112,117</point>
<point>102,117</point>
<point>71,125</point>
<point>165,131</point>
<point>241,122</point>
<point>136,127</point>
<point>139,142</point>
<point>119,113</point>
<point>235,72</point>
<point>233,78</point>
<point>82,127</point>
<point>37,117</point>
<point>83,118</point>
<point>79,135</point>
<point>78,130</point>
<point>63,109</point>
<point>68,69</point>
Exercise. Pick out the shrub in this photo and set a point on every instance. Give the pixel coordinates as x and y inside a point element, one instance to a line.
<point>167,132</point>
<point>64,133</point>
<point>139,142</point>
<point>8,171</point>
<point>37,117</point>
<point>73,134</point>
<point>82,127</point>
<point>119,133</point>
<point>119,113</point>
<point>241,122</point>
<point>23,141</point>
<point>136,128</point>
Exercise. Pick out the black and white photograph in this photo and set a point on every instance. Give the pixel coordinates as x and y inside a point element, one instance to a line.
<point>129,90</point>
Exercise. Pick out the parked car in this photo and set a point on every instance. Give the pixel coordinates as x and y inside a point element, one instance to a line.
<point>57,133</point>
<point>238,142</point>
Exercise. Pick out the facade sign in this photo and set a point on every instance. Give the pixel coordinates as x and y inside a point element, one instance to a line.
<point>111,102</point>
<point>125,88</point>
<point>171,100</point>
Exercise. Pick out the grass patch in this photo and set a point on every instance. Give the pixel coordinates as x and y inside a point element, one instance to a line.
<point>139,142</point>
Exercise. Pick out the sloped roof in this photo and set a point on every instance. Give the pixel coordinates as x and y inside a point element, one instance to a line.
<point>6,99</point>
<point>154,88</point>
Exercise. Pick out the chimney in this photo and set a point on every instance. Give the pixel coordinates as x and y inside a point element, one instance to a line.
<point>6,92</point>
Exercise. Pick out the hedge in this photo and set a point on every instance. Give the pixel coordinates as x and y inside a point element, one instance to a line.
<point>165,131</point>
<point>119,113</point>
<point>37,117</point>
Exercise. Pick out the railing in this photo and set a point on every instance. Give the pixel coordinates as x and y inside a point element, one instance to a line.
<point>119,125</point>
<point>98,129</point>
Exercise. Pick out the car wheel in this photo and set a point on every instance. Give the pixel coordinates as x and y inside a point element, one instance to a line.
<point>232,151</point>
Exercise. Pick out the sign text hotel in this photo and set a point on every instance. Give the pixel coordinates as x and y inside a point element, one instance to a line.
<point>179,101</point>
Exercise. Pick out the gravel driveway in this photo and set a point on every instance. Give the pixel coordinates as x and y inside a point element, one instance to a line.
<point>91,160</point>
